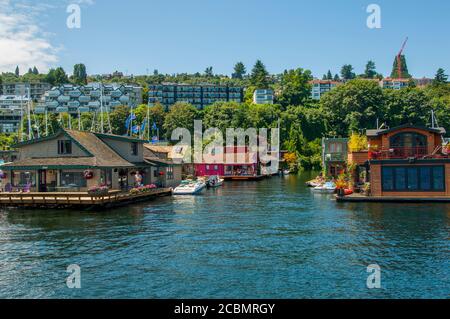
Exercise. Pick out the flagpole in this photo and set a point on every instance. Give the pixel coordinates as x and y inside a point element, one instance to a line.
<point>148,123</point>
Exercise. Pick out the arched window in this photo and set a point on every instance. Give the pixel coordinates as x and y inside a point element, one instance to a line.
<point>407,144</point>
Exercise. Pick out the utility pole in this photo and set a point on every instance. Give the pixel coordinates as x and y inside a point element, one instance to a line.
<point>29,116</point>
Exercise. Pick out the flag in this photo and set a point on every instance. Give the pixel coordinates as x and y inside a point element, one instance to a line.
<point>143,125</point>
<point>135,129</point>
<point>154,127</point>
<point>130,118</point>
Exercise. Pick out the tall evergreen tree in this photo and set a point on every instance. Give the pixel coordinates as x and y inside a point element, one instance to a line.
<point>35,70</point>
<point>329,75</point>
<point>209,71</point>
<point>258,77</point>
<point>79,74</point>
<point>17,72</point>
<point>336,77</point>
<point>404,69</point>
<point>57,76</point>
<point>239,71</point>
<point>30,71</point>
<point>370,71</point>
<point>347,72</point>
<point>440,77</point>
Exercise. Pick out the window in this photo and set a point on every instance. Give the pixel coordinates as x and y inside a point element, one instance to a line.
<point>64,147</point>
<point>134,148</point>
<point>417,178</point>
<point>335,147</point>
<point>169,172</point>
<point>75,179</point>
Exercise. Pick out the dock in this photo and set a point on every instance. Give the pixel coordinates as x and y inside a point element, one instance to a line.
<point>81,200</point>
<point>244,177</point>
<point>360,198</point>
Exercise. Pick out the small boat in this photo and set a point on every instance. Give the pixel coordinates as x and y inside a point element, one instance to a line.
<point>313,183</point>
<point>214,181</point>
<point>327,188</point>
<point>189,188</point>
<point>286,172</point>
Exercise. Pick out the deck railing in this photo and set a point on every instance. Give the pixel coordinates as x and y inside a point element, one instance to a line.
<point>400,153</point>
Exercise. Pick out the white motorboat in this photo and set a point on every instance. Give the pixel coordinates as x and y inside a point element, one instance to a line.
<point>286,172</point>
<point>214,181</point>
<point>189,188</point>
<point>327,188</point>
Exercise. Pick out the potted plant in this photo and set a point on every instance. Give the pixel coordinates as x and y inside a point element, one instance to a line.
<point>98,190</point>
<point>366,189</point>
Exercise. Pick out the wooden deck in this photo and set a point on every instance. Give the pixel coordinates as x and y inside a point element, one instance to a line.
<point>77,199</point>
<point>360,198</point>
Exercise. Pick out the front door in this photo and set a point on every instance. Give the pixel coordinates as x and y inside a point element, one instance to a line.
<point>42,176</point>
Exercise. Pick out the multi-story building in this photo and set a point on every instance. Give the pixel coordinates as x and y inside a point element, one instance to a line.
<point>263,96</point>
<point>36,89</point>
<point>198,95</point>
<point>334,155</point>
<point>11,107</point>
<point>87,98</point>
<point>320,87</point>
<point>395,84</point>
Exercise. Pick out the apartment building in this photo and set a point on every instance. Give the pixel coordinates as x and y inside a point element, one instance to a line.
<point>11,107</point>
<point>72,99</point>
<point>396,84</point>
<point>198,95</point>
<point>320,87</point>
<point>263,96</point>
<point>37,89</point>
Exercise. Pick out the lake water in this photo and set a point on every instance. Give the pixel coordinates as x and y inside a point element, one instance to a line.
<point>267,239</point>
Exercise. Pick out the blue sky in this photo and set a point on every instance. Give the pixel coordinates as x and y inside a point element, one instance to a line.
<point>187,36</point>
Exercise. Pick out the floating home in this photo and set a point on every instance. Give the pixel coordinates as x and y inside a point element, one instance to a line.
<point>71,161</point>
<point>334,155</point>
<point>243,166</point>
<point>405,163</point>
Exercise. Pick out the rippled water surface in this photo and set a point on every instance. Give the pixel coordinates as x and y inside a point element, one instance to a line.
<point>268,239</point>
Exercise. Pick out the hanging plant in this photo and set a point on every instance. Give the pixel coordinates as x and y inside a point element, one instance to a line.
<point>3,175</point>
<point>88,174</point>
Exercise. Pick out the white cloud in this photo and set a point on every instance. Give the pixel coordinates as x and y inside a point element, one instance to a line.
<point>23,40</point>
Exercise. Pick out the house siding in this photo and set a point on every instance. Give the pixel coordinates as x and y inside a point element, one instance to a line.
<point>49,148</point>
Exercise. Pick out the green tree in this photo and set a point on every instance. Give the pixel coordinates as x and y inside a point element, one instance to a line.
<point>17,72</point>
<point>209,72</point>
<point>347,72</point>
<point>180,115</point>
<point>353,106</point>
<point>35,71</point>
<point>440,77</point>
<point>57,76</point>
<point>409,105</point>
<point>404,69</point>
<point>295,87</point>
<point>79,74</point>
<point>223,115</point>
<point>239,71</point>
<point>336,77</point>
<point>329,75</point>
<point>258,77</point>
<point>370,71</point>
<point>118,118</point>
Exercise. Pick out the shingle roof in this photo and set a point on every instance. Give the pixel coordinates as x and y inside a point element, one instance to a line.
<point>98,153</point>
<point>375,132</point>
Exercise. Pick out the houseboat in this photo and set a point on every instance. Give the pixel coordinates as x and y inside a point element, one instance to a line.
<point>405,163</point>
<point>244,164</point>
<point>79,163</point>
<point>334,155</point>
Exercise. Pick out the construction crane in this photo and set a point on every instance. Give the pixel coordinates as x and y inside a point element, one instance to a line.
<point>399,60</point>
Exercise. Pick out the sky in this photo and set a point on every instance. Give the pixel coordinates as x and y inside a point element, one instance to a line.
<point>177,36</point>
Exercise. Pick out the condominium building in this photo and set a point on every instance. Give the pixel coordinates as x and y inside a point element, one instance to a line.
<point>198,95</point>
<point>36,89</point>
<point>11,107</point>
<point>72,99</point>
<point>320,87</point>
<point>395,84</point>
<point>263,97</point>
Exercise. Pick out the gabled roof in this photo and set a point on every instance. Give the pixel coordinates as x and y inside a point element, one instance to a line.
<point>98,153</point>
<point>377,132</point>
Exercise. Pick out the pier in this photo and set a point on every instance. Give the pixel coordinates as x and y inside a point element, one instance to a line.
<point>81,200</point>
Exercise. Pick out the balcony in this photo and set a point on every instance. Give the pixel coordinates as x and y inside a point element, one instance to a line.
<point>335,157</point>
<point>403,153</point>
